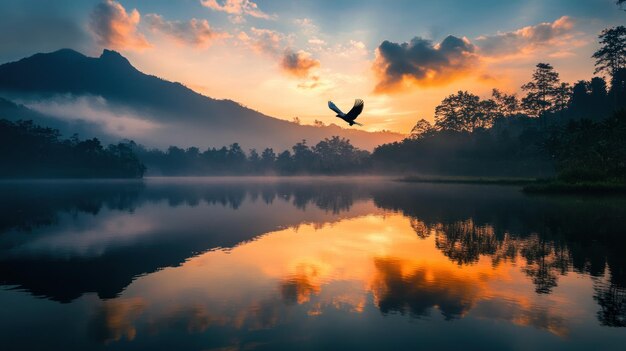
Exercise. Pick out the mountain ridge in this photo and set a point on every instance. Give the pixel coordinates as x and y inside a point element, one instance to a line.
<point>113,77</point>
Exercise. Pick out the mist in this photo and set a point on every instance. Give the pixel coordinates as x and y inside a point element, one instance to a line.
<point>96,116</point>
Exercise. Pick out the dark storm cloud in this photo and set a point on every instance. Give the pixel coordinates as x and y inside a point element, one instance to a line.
<point>422,62</point>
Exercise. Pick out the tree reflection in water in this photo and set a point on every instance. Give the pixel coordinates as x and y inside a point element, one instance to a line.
<point>551,235</point>
<point>548,237</point>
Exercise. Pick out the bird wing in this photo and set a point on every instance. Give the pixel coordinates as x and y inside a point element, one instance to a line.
<point>333,107</point>
<point>356,110</point>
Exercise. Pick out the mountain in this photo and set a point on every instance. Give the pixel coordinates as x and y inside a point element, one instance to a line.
<point>109,92</point>
<point>12,111</point>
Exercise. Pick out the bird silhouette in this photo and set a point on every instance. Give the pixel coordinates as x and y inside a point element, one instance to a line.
<point>352,114</point>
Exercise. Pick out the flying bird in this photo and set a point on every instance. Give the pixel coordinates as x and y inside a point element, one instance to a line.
<point>352,114</point>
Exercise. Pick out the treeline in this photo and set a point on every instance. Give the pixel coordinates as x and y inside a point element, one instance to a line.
<point>593,151</point>
<point>31,151</point>
<point>575,131</point>
<point>330,156</point>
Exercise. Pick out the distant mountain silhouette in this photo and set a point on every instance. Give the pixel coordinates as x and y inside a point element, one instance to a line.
<point>194,118</point>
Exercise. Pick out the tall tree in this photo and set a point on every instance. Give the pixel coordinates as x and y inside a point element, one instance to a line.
<point>303,156</point>
<point>421,129</point>
<point>506,105</point>
<point>618,89</point>
<point>254,159</point>
<point>612,53</point>
<point>284,162</point>
<point>463,111</point>
<point>541,90</point>
<point>562,96</point>
<point>268,157</point>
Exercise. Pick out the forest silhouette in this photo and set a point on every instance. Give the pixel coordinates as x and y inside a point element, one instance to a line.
<point>576,133</point>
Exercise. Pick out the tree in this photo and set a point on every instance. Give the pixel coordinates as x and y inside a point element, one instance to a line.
<point>268,157</point>
<point>618,89</point>
<point>296,120</point>
<point>421,129</point>
<point>463,111</point>
<point>612,54</point>
<point>318,123</point>
<point>337,154</point>
<point>303,157</point>
<point>562,95</point>
<point>589,99</point>
<point>28,150</point>
<point>580,101</point>
<point>284,162</point>
<point>254,159</point>
<point>506,105</point>
<point>541,90</point>
<point>488,112</point>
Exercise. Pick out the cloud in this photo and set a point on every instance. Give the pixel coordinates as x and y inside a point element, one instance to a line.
<point>278,46</point>
<point>264,40</point>
<point>237,8</point>
<point>527,39</point>
<point>115,28</point>
<point>354,49</point>
<point>195,32</point>
<point>423,63</point>
<point>316,41</point>
<point>420,62</point>
<point>306,26</point>
<point>298,64</point>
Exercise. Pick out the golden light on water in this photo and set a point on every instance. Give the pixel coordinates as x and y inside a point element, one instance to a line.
<point>376,261</point>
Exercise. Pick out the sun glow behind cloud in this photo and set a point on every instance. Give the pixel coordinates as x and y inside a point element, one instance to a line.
<point>287,62</point>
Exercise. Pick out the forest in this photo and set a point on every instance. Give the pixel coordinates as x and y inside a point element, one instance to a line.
<point>576,132</point>
<point>31,151</point>
<point>330,156</point>
<point>571,132</point>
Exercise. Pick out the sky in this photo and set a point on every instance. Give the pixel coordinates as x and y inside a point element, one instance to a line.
<point>288,58</point>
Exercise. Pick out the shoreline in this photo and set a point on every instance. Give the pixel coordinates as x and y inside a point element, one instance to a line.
<point>530,185</point>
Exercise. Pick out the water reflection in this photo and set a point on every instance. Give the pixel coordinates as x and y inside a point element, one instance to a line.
<point>98,237</point>
<point>304,263</point>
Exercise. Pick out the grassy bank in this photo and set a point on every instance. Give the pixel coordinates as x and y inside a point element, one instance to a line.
<point>559,187</point>
<point>472,180</point>
<point>530,185</point>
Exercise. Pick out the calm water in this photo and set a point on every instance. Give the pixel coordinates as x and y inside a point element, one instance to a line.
<point>307,264</point>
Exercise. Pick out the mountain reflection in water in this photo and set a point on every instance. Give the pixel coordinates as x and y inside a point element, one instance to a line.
<point>307,264</point>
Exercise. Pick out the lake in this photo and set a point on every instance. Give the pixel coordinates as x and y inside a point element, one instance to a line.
<point>307,264</point>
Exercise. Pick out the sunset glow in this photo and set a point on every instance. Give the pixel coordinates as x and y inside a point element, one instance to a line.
<point>287,60</point>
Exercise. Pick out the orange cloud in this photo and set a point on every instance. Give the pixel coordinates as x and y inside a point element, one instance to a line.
<point>298,64</point>
<point>263,40</point>
<point>420,62</point>
<point>399,66</point>
<point>276,45</point>
<point>527,39</point>
<point>116,28</point>
<point>195,32</point>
